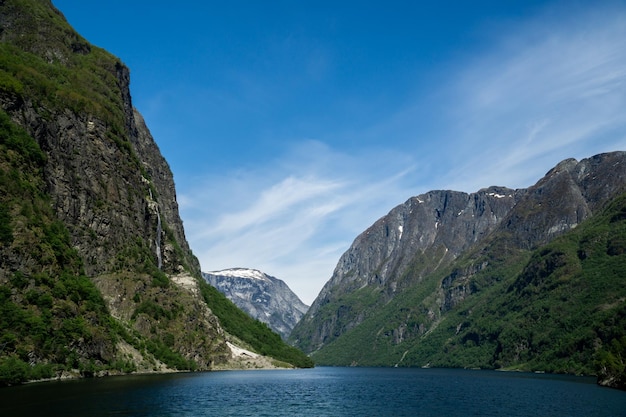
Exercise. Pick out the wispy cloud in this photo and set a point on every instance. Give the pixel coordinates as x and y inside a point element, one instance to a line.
<point>551,90</point>
<point>543,91</point>
<point>294,216</point>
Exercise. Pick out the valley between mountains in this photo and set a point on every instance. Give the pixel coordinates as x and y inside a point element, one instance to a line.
<point>97,277</point>
<point>512,279</point>
<point>526,279</point>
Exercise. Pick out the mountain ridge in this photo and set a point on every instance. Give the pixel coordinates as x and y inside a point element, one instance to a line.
<point>405,295</point>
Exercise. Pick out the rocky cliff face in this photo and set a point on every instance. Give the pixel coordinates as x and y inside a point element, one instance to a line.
<point>109,182</point>
<point>417,238</point>
<point>567,195</point>
<point>92,248</point>
<point>417,266</point>
<point>105,180</point>
<point>444,223</point>
<point>265,298</point>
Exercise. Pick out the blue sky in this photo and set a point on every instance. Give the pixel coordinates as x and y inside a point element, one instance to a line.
<point>291,126</point>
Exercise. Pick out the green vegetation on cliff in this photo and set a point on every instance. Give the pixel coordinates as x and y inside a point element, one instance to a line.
<point>560,308</point>
<point>45,61</point>
<point>81,290</point>
<point>52,317</point>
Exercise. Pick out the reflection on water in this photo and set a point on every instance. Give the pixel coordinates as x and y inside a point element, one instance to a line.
<point>318,392</point>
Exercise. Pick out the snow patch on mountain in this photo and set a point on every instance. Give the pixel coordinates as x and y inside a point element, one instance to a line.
<point>240,273</point>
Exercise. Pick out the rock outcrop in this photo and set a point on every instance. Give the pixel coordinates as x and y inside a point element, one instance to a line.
<point>106,181</point>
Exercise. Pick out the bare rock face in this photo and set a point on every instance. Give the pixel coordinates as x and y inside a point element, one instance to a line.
<point>113,188</point>
<point>427,232</point>
<point>443,221</point>
<point>265,298</point>
<point>568,194</point>
<point>104,172</point>
<point>159,172</point>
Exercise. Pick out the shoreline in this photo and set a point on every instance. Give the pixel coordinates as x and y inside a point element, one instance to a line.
<point>75,374</point>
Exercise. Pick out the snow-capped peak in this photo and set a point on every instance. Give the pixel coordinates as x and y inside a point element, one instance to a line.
<point>240,273</point>
<point>262,296</point>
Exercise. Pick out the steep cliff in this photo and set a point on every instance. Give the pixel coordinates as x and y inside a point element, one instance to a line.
<point>95,272</point>
<point>265,298</point>
<point>437,281</point>
<point>416,239</point>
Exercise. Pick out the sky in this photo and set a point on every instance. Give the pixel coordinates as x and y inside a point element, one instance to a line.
<point>292,126</point>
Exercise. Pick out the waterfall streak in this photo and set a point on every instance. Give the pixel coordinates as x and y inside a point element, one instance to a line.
<point>159,230</point>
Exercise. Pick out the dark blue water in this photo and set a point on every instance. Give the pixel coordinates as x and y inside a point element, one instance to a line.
<point>319,392</point>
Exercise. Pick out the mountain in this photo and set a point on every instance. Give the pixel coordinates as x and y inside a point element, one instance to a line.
<point>265,298</point>
<point>96,275</point>
<point>529,279</point>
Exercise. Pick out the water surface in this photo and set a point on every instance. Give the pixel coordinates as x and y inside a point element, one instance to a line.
<point>319,392</point>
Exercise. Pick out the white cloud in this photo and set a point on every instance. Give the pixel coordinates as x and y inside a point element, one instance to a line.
<point>551,90</point>
<point>276,203</point>
<point>547,90</point>
<point>294,216</point>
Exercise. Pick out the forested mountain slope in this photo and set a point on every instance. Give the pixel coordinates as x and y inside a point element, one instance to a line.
<point>529,279</point>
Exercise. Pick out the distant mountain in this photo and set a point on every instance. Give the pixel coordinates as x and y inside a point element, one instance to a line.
<point>265,298</point>
<point>530,279</point>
